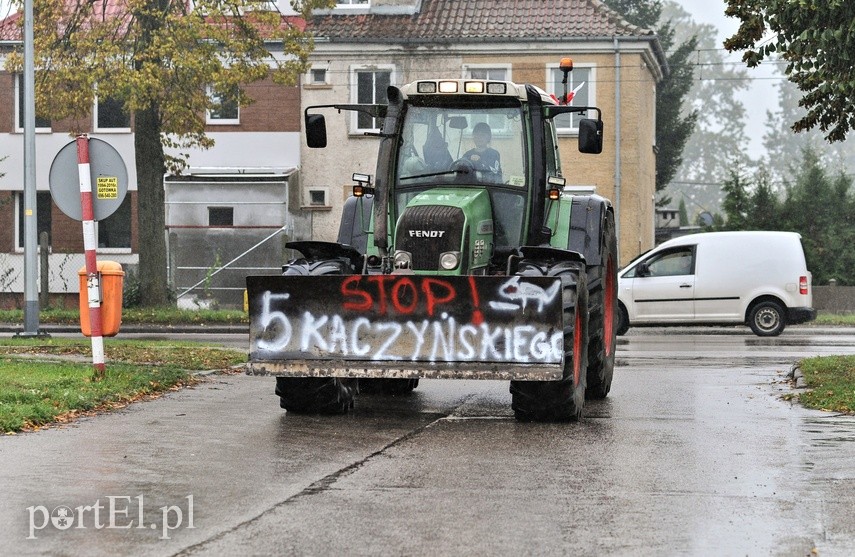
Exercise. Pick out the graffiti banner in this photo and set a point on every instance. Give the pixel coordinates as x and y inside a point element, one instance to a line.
<point>406,319</point>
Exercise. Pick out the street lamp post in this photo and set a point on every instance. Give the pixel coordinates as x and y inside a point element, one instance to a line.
<point>31,300</point>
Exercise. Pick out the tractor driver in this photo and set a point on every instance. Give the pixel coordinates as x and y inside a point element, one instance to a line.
<point>486,160</point>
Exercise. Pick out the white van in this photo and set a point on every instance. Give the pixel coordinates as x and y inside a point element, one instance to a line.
<point>714,278</point>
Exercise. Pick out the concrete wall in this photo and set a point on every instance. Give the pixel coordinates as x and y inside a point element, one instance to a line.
<point>835,299</point>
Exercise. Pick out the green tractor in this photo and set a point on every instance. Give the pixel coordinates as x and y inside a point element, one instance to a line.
<point>465,258</point>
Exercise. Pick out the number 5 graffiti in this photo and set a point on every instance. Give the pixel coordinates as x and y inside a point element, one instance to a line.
<point>273,336</point>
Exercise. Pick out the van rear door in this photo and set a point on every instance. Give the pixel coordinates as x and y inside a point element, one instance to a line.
<point>662,286</point>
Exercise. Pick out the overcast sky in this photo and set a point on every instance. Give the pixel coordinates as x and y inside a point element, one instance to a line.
<point>762,93</point>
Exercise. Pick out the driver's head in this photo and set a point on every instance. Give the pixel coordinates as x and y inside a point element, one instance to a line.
<point>481,134</point>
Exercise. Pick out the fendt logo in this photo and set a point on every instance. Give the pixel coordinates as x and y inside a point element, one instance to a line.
<point>426,233</point>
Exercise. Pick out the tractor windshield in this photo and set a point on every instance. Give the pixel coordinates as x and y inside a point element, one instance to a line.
<point>462,146</point>
<point>465,147</point>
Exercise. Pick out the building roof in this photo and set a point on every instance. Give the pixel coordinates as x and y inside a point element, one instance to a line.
<point>103,10</point>
<point>479,20</point>
<point>10,30</point>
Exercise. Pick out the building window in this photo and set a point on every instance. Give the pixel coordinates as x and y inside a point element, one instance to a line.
<point>582,81</point>
<point>225,108</point>
<point>318,76</point>
<point>43,216</point>
<point>483,71</point>
<point>114,232</point>
<point>369,87</point>
<point>221,216</point>
<point>111,115</point>
<point>351,3</point>
<point>42,123</point>
<point>317,198</point>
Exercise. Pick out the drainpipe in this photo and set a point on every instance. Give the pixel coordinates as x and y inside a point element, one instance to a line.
<point>617,143</point>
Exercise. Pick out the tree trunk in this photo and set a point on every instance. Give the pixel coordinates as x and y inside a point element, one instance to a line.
<point>154,289</point>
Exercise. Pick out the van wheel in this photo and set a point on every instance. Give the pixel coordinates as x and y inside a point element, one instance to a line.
<point>621,320</point>
<point>766,319</point>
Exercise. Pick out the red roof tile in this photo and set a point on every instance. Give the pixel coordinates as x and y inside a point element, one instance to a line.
<point>9,29</point>
<point>103,10</point>
<point>475,20</point>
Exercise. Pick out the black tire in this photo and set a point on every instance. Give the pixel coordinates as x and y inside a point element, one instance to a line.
<point>386,386</point>
<point>315,395</point>
<point>602,310</point>
<point>767,319</point>
<point>621,321</point>
<point>324,267</point>
<point>559,401</point>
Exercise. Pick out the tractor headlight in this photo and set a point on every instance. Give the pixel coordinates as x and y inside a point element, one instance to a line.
<point>403,260</point>
<point>449,260</point>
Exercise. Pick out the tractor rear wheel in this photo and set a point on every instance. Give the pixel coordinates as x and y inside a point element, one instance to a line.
<point>562,400</point>
<point>315,395</point>
<point>388,386</point>
<point>602,300</point>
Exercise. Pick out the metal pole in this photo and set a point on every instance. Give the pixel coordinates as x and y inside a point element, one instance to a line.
<point>93,277</point>
<point>31,301</point>
<point>44,256</point>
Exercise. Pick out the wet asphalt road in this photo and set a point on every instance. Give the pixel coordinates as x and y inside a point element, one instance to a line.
<point>693,453</point>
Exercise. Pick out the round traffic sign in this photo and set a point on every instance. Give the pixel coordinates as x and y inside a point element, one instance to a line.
<point>108,174</point>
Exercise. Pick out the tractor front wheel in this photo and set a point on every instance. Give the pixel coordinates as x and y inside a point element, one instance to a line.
<point>562,400</point>
<point>603,291</point>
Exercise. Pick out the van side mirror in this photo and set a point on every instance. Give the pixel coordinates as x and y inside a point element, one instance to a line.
<point>642,270</point>
<point>316,131</point>
<point>590,136</point>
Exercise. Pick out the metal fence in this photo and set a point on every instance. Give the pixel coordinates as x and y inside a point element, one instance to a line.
<point>209,266</point>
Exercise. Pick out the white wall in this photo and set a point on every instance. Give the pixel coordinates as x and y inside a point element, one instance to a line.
<point>47,147</point>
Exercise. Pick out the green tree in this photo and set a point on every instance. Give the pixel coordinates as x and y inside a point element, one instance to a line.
<point>764,205</point>
<point>159,57</point>
<point>684,213</point>
<point>737,201</point>
<point>644,13</point>
<point>674,123</point>
<point>815,38</point>
<point>784,147</point>
<point>719,136</point>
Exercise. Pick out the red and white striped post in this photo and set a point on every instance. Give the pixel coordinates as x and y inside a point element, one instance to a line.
<point>93,279</point>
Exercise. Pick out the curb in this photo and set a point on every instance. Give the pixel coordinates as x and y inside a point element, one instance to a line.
<point>13,328</point>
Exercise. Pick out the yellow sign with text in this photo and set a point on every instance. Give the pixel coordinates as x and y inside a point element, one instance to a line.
<point>108,187</point>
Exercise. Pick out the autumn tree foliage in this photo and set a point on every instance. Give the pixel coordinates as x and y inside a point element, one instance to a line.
<point>817,40</point>
<point>160,59</point>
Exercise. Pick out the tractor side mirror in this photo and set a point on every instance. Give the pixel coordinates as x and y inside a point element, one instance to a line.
<point>590,136</point>
<point>316,131</point>
<point>458,123</point>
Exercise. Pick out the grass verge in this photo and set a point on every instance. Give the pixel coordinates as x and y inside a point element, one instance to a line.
<point>846,319</point>
<point>45,381</point>
<point>154,316</point>
<point>831,380</point>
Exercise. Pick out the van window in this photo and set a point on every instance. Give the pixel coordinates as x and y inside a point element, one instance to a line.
<point>668,263</point>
